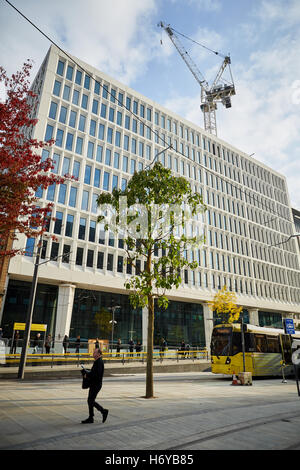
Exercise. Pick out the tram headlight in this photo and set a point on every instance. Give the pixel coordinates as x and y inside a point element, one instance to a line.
<point>228,360</point>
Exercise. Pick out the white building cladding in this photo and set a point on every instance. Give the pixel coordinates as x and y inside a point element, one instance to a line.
<point>104,132</point>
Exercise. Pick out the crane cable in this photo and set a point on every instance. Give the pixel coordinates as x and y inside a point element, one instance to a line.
<point>198,43</point>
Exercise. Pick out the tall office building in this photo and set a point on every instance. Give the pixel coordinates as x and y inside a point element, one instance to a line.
<point>104,132</point>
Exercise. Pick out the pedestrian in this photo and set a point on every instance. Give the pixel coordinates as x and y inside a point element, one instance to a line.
<point>138,348</point>
<point>97,344</point>
<point>36,343</point>
<point>131,346</point>
<point>15,343</point>
<point>66,343</point>
<point>77,345</point>
<point>182,348</point>
<point>48,344</point>
<point>118,347</point>
<point>95,376</point>
<point>1,333</point>
<point>187,350</point>
<point>163,347</point>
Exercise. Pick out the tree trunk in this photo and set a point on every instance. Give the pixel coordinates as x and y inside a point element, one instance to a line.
<point>149,370</point>
<point>4,264</point>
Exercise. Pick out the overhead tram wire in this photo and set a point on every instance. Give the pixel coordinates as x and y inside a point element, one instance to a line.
<point>225,179</point>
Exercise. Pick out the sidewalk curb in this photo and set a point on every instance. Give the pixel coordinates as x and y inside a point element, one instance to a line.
<point>62,372</point>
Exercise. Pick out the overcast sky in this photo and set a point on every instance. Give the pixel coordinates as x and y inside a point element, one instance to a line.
<point>121,38</point>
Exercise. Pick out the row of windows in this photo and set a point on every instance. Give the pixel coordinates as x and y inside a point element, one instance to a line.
<point>227,155</point>
<point>109,137</point>
<point>91,258</point>
<point>165,122</point>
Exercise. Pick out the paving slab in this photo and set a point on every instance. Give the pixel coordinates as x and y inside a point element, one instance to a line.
<point>192,411</point>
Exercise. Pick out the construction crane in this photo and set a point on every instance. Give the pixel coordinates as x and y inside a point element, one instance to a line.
<point>218,92</point>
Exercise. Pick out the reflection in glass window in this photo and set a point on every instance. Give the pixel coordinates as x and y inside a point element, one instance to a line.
<point>58,222</point>
<point>87,174</point>
<point>84,101</point>
<point>49,132</point>
<point>66,93</point>
<point>70,71</point>
<point>53,110</point>
<point>60,67</point>
<point>55,162</point>
<point>75,99</point>
<point>69,225</point>
<point>51,192</point>
<point>90,151</point>
<point>63,114</point>
<point>106,181</point>
<point>59,137</point>
<point>99,153</point>
<point>73,196</point>
<point>62,193</point>
<point>97,88</point>
<point>78,77</point>
<point>97,176</point>
<point>85,200</point>
<point>87,81</point>
<point>72,120</point>
<point>79,144</point>
<point>56,88</point>
<point>29,247</point>
<point>82,227</point>
<point>82,120</point>
<point>69,141</point>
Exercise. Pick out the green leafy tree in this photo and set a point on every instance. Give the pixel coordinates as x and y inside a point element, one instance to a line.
<point>153,221</point>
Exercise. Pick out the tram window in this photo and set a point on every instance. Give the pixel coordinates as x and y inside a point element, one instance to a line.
<point>237,342</point>
<point>260,343</point>
<point>220,343</point>
<point>273,344</point>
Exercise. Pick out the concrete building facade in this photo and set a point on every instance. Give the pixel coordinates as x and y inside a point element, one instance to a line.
<point>104,131</point>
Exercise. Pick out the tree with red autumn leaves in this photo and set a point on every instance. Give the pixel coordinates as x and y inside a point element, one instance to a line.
<point>22,170</point>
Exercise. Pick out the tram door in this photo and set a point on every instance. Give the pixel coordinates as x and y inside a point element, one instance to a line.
<point>286,348</point>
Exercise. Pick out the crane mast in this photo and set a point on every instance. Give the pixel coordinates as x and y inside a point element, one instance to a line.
<point>210,95</point>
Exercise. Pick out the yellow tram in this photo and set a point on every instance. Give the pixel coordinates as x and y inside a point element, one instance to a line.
<point>266,349</point>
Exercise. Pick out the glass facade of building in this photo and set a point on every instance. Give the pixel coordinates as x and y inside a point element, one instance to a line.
<point>180,321</point>
<point>103,132</point>
<point>16,306</point>
<point>91,316</point>
<point>271,319</point>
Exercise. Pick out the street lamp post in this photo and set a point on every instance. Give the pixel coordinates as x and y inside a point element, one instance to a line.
<point>30,312</point>
<point>37,263</point>
<point>113,324</point>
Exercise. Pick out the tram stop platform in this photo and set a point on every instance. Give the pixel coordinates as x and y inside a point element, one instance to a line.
<point>38,372</point>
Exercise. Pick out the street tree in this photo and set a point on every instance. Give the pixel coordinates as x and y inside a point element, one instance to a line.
<point>22,171</point>
<point>224,304</point>
<point>157,216</point>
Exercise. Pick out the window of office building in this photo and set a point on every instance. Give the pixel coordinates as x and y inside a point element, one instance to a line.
<point>90,310</point>
<point>179,321</point>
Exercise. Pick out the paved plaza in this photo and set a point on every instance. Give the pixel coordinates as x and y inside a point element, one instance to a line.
<point>191,411</point>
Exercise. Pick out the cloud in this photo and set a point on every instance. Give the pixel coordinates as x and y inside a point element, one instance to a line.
<point>114,37</point>
<point>202,5</point>
<point>265,113</point>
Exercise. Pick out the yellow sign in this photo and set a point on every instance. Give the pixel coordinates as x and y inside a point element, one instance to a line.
<point>34,327</point>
